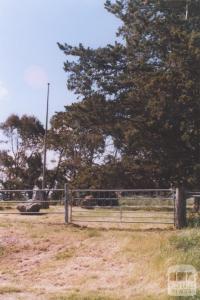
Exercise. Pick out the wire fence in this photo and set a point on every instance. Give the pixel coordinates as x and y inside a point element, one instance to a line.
<point>148,206</point>
<point>32,202</point>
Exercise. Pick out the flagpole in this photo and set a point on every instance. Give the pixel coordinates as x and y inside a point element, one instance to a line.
<point>45,140</point>
<point>187,8</point>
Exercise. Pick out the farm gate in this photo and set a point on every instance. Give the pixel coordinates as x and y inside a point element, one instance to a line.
<point>147,206</point>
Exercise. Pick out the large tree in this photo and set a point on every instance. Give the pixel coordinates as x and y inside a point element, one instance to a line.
<point>150,80</point>
<point>77,137</point>
<point>21,161</point>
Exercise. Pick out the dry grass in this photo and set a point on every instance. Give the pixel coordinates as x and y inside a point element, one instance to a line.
<point>53,261</point>
<point>9,290</point>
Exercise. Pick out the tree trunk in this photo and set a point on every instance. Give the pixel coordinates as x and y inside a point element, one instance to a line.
<point>180,208</point>
<point>45,202</point>
<point>42,198</point>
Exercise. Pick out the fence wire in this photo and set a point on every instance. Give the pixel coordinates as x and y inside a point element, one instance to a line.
<point>32,202</point>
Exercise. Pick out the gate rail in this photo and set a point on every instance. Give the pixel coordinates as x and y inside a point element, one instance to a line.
<point>147,206</point>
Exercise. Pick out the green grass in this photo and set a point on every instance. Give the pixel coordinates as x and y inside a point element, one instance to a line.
<point>181,248</point>
<point>193,220</point>
<point>186,245</point>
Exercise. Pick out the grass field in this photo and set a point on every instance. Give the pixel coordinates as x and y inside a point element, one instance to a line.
<point>41,258</point>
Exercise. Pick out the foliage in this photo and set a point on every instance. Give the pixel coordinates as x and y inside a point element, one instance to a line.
<point>136,123</point>
<point>149,81</point>
<point>21,163</point>
<point>77,138</point>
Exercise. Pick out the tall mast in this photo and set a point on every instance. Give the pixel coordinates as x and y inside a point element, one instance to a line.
<point>45,140</point>
<point>187,10</point>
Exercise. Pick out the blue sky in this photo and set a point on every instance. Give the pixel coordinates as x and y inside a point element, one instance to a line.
<point>30,57</point>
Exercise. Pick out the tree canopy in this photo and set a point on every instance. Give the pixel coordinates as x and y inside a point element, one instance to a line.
<point>150,82</point>
<point>136,122</point>
<point>21,160</point>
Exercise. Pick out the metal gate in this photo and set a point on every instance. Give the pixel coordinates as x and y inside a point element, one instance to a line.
<point>147,206</point>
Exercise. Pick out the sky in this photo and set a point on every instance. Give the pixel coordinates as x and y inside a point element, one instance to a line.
<point>30,57</point>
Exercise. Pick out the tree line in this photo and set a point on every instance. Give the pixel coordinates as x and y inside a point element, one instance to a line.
<point>136,124</point>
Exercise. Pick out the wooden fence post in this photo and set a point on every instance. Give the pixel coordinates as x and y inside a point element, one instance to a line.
<point>66,205</point>
<point>180,208</point>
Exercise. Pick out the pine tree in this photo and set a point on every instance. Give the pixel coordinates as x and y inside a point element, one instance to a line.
<point>152,75</point>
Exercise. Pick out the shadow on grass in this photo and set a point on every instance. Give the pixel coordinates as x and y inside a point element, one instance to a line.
<point>33,214</point>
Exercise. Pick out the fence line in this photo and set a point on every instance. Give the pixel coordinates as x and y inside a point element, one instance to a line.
<point>12,198</point>
<point>141,206</point>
